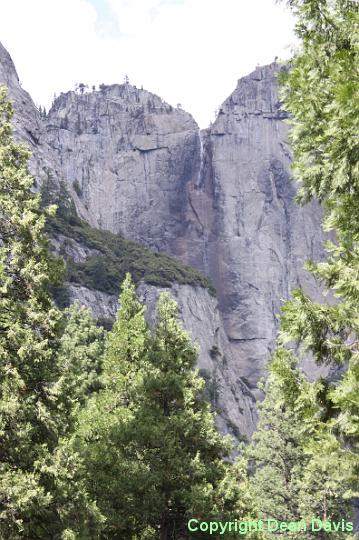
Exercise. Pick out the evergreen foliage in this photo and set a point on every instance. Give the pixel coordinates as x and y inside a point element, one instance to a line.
<point>79,359</point>
<point>320,90</point>
<point>107,269</point>
<point>295,477</point>
<point>123,422</point>
<point>277,457</point>
<point>153,455</point>
<point>41,493</point>
<point>305,453</point>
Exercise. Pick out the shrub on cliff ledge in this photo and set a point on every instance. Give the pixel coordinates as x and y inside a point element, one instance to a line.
<point>107,269</point>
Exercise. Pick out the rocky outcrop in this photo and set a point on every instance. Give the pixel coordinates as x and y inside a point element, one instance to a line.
<point>129,156</point>
<point>219,199</point>
<point>232,401</point>
<point>27,123</point>
<point>102,305</point>
<point>61,245</point>
<point>198,310</point>
<point>30,130</point>
<point>255,237</point>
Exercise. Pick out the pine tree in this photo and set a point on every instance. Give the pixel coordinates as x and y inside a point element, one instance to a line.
<point>119,484</point>
<point>79,360</point>
<point>276,456</point>
<point>154,457</point>
<point>40,494</point>
<point>188,464</point>
<point>296,475</point>
<point>320,90</point>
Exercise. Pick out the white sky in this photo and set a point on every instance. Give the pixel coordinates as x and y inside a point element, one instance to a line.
<point>187,51</point>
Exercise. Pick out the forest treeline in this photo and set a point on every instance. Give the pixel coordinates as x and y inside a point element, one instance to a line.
<point>107,435</point>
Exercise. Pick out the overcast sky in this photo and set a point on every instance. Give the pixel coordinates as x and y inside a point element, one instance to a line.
<point>187,51</point>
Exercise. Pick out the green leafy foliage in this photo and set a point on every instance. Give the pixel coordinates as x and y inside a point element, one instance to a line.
<point>106,270</point>
<point>277,457</point>
<point>320,90</point>
<point>297,470</point>
<point>81,350</point>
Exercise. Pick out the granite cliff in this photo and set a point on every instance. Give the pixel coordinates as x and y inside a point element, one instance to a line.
<point>30,129</point>
<point>255,237</point>
<point>219,200</point>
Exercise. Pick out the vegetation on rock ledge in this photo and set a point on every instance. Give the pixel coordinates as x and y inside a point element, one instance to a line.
<point>106,269</point>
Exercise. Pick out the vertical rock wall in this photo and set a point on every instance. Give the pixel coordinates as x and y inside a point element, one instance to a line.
<point>29,129</point>
<point>258,238</point>
<point>129,156</point>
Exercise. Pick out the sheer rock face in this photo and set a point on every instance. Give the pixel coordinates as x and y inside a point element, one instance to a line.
<point>30,129</point>
<point>27,123</point>
<point>219,199</point>
<point>230,396</point>
<point>256,237</point>
<point>129,155</point>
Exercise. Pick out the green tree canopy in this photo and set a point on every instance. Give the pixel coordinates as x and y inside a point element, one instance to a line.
<point>320,90</point>
<point>154,457</point>
<point>40,494</point>
<point>297,475</point>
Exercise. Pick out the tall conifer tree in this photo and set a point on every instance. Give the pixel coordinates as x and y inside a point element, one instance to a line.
<point>277,457</point>
<point>40,497</point>
<point>320,90</point>
<point>295,477</point>
<point>154,457</point>
<point>79,358</point>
